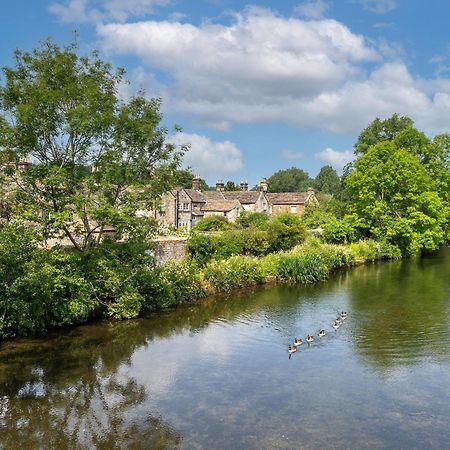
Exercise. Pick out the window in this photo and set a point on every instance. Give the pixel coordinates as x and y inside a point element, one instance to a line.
<point>185,206</point>
<point>293,209</point>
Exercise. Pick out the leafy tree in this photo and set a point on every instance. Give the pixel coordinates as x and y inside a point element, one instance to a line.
<point>381,130</point>
<point>213,223</point>
<point>231,186</point>
<point>289,180</point>
<point>327,181</point>
<point>395,197</point>
<point>97,159</point>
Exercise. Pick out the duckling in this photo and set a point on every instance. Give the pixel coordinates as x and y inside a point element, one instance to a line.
<point>297,342</point>
<point>343,315</point>
<point>309,338</point>
<point>336,325</point>
<point>338,321</point>
<point>292,349</point>
<point>321,333</point>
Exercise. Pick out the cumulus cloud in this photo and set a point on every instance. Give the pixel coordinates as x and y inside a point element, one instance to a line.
<point>264,67</point>
<point>78,11</point>
<point>335,158</point>
<point>312,9</point>
<point>377,6</point>
<point>209,158</point>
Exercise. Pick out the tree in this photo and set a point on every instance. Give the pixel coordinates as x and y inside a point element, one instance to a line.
<point>97,159</point>
<point>381,130</point>
<point>289,180</point>
<point>327,181</point>
<point>231,186</point>
<point>394,197</point>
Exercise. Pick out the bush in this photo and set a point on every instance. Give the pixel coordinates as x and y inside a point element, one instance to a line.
<point>237,271</point>
<point>304,268</point>
<point>255,242</point>
<point>338,231</point>
<point>252,220</point>
<point>285,231</point>
<point>213,223</point>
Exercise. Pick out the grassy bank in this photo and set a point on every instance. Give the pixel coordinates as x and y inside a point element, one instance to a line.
<point>43,289</point>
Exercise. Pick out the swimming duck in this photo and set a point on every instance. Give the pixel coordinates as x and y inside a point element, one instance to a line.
<point>292,349</point>
<point>297,342</point>
<point>321,333</point>
<point>343,315</point>
<point>309,338</point>
<point>338,321</point>
<point>336,325</point>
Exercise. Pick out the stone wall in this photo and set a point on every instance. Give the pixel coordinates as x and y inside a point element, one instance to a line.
<point>170,249</point>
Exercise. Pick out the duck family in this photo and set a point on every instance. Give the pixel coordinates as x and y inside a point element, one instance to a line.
<point>310,338</point>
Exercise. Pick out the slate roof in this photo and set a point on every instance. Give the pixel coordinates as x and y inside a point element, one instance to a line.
<point>288,198</point>
<point>220,205</point>
<point>245,197</point>
<point>196,196</point>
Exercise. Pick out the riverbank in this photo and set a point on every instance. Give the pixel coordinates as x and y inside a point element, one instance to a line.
<point>46,289</point>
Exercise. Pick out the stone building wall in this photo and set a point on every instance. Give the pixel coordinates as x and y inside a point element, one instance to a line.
<point>169,249</point>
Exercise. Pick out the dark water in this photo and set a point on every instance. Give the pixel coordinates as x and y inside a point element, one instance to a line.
<point>216,375</point>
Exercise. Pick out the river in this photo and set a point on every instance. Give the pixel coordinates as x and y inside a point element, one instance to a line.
<point>216,374</point>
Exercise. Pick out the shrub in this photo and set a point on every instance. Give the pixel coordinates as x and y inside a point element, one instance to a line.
<point>252,220</point>
<point>213,223</point>
<point>338,231</point>
<point>285,231</point>
<point>237,271</point>
<point>255,242</point>
<point>304,268</point>
<point>201,247</point>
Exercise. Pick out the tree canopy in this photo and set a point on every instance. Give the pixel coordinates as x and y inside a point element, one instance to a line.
<point>289,180</point>
<point>327,181</point>
<point>97,159</point>
<point>381,130</point>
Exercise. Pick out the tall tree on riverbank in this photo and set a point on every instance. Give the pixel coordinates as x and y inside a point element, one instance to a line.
<point>289,180</point>
<point>399,189</point>
<point>97,159</point>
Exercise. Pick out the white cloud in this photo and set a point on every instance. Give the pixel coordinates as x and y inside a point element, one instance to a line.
<point>264,67</point>
<point>312,9</point>
<point>78,11</point>
<point>335,158</point>
<point>209,158</point>
<point>291,155</point>
<point>377,6</point>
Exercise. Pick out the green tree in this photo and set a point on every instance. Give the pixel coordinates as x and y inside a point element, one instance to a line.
<point>231,186</point>
<point>97,159</point>
<point>381,130</point>
<point>289,180</point>
<point>394,197</point>
<point>327,181</point>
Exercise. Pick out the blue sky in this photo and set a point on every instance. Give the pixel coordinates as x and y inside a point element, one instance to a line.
<point>264,85</point>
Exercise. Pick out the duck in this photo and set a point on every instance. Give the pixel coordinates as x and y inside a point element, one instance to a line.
<point>292,349</point>
<point>336,325</point>
<point>309,338</point>
<point>338,321</point>
<point>321,333</point>
<point>343,315</point>
<point>298,342</point>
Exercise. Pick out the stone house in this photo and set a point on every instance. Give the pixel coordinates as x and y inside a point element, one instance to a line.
<point>291,202</point>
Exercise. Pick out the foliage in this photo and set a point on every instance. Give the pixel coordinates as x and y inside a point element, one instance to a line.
<point>234,272</point>
<point>285,231</point>
<point>315,216</point>
<point>289,180</point>
<point>394,197</point>
<point>213,223</point>
<point>97,159</point>
<point>380,131</point>
<point>231,186</point>
<point>303,268</point>
<point>327,181</point>
<point>249,219</point>
<point>339,231</point>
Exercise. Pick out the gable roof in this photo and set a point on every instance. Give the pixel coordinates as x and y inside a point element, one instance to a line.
<point>245,197</point>
<point>288,198</point>
<point>196,196</point>
<point>220,205</point>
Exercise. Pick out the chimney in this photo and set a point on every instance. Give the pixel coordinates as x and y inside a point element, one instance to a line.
<point>196,183</point>
<point>263,185</point>
<point>220,186</point>
<point>310,190</point>
<point>244,185</point>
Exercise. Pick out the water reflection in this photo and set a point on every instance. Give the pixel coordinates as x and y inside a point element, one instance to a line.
<point>74,391</point>
<point>217,374</point>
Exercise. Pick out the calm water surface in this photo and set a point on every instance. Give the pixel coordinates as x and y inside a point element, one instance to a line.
<point>216,375</point>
